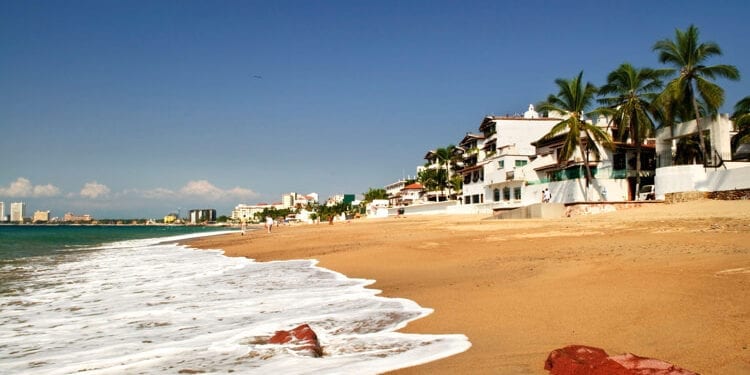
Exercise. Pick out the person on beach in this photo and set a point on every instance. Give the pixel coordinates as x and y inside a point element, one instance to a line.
<point>269,223</point>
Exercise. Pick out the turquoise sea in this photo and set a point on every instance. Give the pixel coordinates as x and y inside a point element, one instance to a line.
<point>22,241</point>
<point>132,300</point>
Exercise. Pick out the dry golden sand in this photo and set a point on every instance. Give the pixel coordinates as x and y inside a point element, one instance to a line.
<point>664,281</point>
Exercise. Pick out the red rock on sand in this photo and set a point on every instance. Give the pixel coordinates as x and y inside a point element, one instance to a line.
<point>587,360</point>
<point>303,337</point>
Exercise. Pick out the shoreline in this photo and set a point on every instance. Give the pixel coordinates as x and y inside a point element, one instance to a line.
<point>665,281</point>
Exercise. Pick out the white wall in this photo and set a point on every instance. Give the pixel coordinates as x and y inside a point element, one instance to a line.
<point>606,189</point>
<point>686,178</point>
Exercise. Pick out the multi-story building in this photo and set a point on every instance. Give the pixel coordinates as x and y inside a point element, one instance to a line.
<point>72,218</point>
<point>613,171</point>
<point>17,211</point>
<point>171,218</point>
<point>287,200</point>
<point>394,192</point>
<point>40,216</point>
<point>2,211</point>
<point>204,215</point>
<point>246,212</point>
<point>496,167</point>
<point>295,200</point>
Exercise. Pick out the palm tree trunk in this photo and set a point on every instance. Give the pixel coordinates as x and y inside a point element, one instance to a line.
<point>637,169</point>
<point>586,164</point>
<point>702,140</point>
<point>637,139</point>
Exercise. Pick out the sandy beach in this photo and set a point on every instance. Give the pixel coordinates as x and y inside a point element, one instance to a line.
<point>668,281</point>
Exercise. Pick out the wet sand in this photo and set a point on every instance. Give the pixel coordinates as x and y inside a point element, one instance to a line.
<point>669,281</point>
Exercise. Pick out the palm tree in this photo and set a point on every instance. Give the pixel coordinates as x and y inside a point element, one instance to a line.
<point>632,91</point>
<point>432,179</point>
<point>574,99</point>
<point>446,158</point>
<point>693,80</point>
<point>741,117</point>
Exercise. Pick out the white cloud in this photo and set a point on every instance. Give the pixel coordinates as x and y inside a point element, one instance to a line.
<point>22,188</point>
<point>158,193</point>
<point>201,188</point>
<point>239,192</point>
<point>94,190</point>
<point>205,189</point>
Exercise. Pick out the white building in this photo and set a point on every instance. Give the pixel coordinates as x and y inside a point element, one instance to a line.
<point>2,211</point>
<point>497,170</point>
<point>293,200</point>
<point>246,212</point>
<point>393,191</point>
<point>412,193</point>
<point>40,216</point>
<point>17,212</point>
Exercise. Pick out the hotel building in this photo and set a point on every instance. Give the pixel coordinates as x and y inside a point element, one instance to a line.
<point>17,212</point>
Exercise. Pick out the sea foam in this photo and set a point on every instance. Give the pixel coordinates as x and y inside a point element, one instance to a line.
<point>147,306</point>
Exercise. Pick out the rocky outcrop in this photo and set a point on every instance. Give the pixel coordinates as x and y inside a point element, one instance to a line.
<point>302,338</point>
<point>587,360</point>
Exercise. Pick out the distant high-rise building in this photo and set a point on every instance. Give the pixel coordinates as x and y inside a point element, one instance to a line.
<point>202,216</point>
<point>287,200</point>
<point>72,218</point>
<point>17,211</point>
<point>40,217</point>
<point>2,211</point>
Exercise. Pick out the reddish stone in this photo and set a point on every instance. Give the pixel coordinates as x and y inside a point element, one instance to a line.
<point>586,360</point>
<point>303,337</point>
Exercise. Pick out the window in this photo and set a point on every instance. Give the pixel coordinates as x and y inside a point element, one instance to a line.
<point>467,178</point>
<point>467,199</point>
<point>501,164</point>
<point>506,193</point>
<point>517,193</point>
<point>619,161</point>
<point>496,195</point>
<point>476,198</point>
<point>521,163</point>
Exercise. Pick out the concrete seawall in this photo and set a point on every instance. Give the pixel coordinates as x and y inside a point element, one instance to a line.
<point>534,211</point>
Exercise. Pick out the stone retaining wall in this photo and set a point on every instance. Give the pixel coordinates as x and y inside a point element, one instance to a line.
<point>697,195</point>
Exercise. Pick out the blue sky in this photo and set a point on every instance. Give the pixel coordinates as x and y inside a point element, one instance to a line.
<point>136,108</point>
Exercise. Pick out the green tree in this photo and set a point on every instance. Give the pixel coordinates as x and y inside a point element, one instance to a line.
<point>432,179</point>
<point>573,99</point>
<point>448,159</point>
<point>627,96</point>
<point>375,193</point>
<point>457,182</point>
<point>693,79</point>
<point>741,118</point>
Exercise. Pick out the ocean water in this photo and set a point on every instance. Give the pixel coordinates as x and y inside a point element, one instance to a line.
<point>132,301</point>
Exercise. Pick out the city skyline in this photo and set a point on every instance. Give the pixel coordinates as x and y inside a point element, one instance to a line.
<point>138,109</point>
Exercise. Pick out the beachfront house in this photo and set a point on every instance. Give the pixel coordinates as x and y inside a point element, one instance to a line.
<point>411,194</point>
<point>498,162</point>
<point>393,191</point>
<point>682,173</point>
<point>614,173</point>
